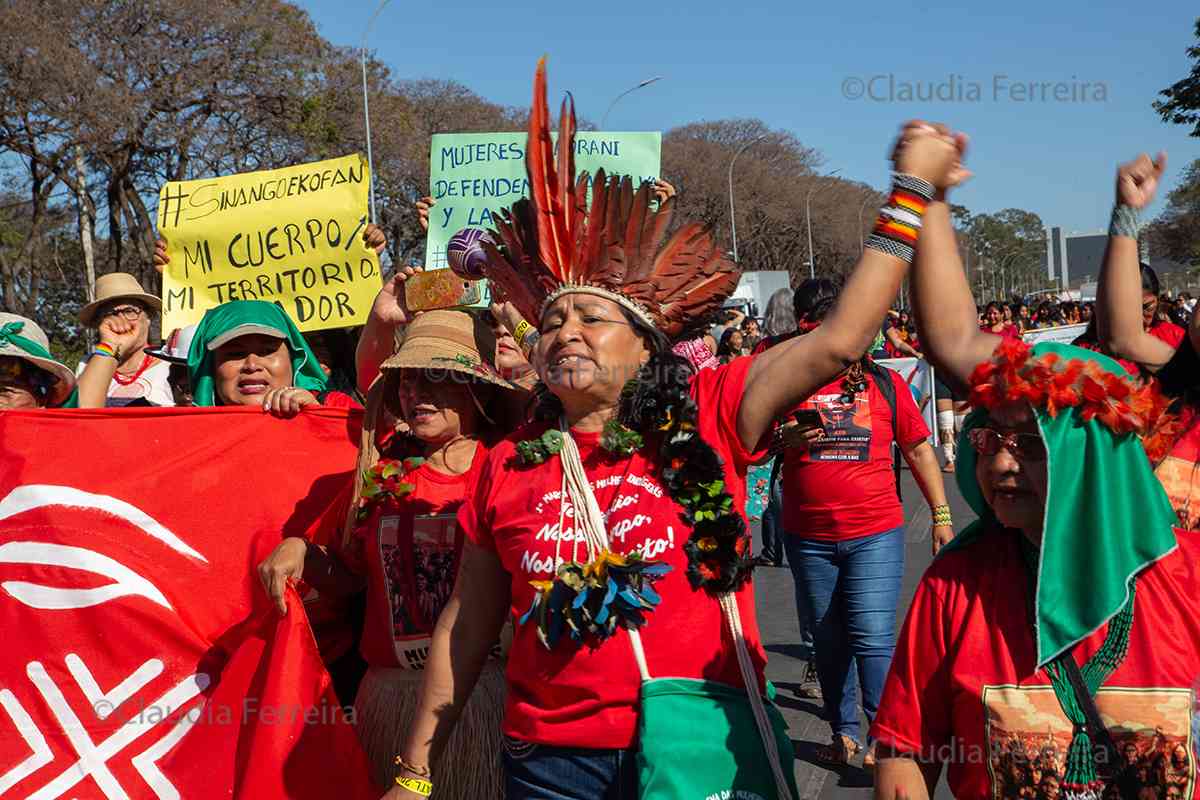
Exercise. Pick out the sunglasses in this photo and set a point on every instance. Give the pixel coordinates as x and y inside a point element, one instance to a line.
<point>988,442</point>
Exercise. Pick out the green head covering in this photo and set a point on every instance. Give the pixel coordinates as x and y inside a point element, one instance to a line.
<point>256,316</point>
<point>1107,516</point>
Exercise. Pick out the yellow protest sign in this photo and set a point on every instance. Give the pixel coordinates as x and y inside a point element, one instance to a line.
<point>292,236</point>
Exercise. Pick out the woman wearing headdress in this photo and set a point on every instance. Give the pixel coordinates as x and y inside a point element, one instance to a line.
<point>612,529</point>
<point>1070,610</point>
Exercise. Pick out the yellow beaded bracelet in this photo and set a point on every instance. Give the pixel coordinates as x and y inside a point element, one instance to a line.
<point>416,785</point>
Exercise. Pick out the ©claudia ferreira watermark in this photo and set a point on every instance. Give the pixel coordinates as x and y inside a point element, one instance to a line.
<point>251,710</point>
<point>953,88</point>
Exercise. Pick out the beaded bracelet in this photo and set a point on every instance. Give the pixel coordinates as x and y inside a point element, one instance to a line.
<point>416,786</point>
<point>1126,221</point>
<point>941,515</point>
<point>899,221</point>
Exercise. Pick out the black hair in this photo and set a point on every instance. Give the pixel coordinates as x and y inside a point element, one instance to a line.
<point>725,346</point>
<point>657,404</point>
<point>1150,283</point>
<point>814,298</point>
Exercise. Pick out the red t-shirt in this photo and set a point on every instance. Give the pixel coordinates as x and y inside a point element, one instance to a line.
<point>335,399</point>
<point>329,616</point>
<point>1009,331</point>
<point>409,552</point>
<point>1169,332</point>
<point>843,487</point>
<point>575,696</point>
<point>963,691</point>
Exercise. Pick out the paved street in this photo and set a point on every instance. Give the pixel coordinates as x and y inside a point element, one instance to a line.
<point>777,619</point>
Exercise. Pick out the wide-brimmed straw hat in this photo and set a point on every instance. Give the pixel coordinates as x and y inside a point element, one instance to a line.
<point>449,340</point>
<point>116,286</point>
<point>22,338</point>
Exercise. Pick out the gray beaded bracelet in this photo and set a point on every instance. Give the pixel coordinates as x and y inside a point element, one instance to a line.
<point>1126,221</point>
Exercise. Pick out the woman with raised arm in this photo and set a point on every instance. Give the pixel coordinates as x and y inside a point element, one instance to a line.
<point>1125,316</point>
<point>1026,665</point>
<point>1127,297</point>
<point>612,529</point>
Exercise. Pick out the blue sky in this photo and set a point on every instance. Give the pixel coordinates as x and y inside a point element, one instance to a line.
<point>792,64</point>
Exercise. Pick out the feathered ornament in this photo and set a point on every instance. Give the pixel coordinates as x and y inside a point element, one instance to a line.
<point>552,244</point>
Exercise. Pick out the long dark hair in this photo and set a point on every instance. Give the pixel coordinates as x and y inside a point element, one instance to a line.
<point>657,404</point>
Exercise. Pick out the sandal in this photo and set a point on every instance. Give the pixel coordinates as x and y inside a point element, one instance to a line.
<point>949,468</point>
<point>869,759</point>
<point>838,753</point>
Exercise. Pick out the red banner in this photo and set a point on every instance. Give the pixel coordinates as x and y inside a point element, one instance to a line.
<point>142,659</point>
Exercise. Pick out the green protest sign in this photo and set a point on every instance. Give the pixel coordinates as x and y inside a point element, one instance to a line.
<point>474,175</point>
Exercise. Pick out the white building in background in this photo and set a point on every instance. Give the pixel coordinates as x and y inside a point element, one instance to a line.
<point>1074,259</point>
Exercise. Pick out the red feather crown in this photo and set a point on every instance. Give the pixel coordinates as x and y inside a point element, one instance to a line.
<point>551,244</point>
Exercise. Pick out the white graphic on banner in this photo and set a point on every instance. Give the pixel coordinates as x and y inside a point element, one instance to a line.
<point>93,757</point>
<point>28,498</point>
<point>126,582</point>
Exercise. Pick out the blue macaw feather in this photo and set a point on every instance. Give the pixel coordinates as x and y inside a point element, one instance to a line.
<point>656,569</point>
<point>631,597</point>
<point>610,592</point>
<point>650,596</point>
<point>537,601</point>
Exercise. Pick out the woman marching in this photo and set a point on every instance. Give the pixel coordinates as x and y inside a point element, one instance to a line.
<point>612,529</point>
<point>1050,649</point>
<point>400,539</point>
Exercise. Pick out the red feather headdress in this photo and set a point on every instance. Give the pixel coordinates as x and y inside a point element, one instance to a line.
<point>551,244</point>
<point>1055,383</point>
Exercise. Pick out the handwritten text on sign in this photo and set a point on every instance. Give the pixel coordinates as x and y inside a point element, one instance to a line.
<point>292,236</point>
<point>473,175</point>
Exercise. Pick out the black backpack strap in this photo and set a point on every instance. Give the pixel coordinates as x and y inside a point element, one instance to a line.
<point>882,377</point>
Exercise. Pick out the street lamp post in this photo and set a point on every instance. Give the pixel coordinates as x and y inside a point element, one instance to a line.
<point>367,109</point>
<point>812,266</point>
<point>732,215</point>
<point>630,90</point>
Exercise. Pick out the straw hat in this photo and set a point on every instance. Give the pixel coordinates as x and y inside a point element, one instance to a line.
<point>22,338</point>
<point>116,286</point>
<point>449,340</point>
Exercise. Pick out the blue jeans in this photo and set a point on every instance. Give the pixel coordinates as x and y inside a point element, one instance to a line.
<point>850,589</point>
<point>772,527</point>
<point>544,772</point>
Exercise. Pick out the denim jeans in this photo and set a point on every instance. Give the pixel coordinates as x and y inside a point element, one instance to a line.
<point>545,772</point>
<point>850,589</point>
<point>772,528</point>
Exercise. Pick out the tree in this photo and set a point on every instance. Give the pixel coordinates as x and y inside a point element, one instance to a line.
<point>1006,250</point>
<point>1176,232</point>
<point>150,91</point>
<point>1182,103</point>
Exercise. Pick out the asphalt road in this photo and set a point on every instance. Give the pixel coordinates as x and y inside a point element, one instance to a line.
<point>777,621</point>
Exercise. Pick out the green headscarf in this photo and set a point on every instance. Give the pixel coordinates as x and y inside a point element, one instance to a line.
<point>306,372</point>
<point>1107,517</point>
